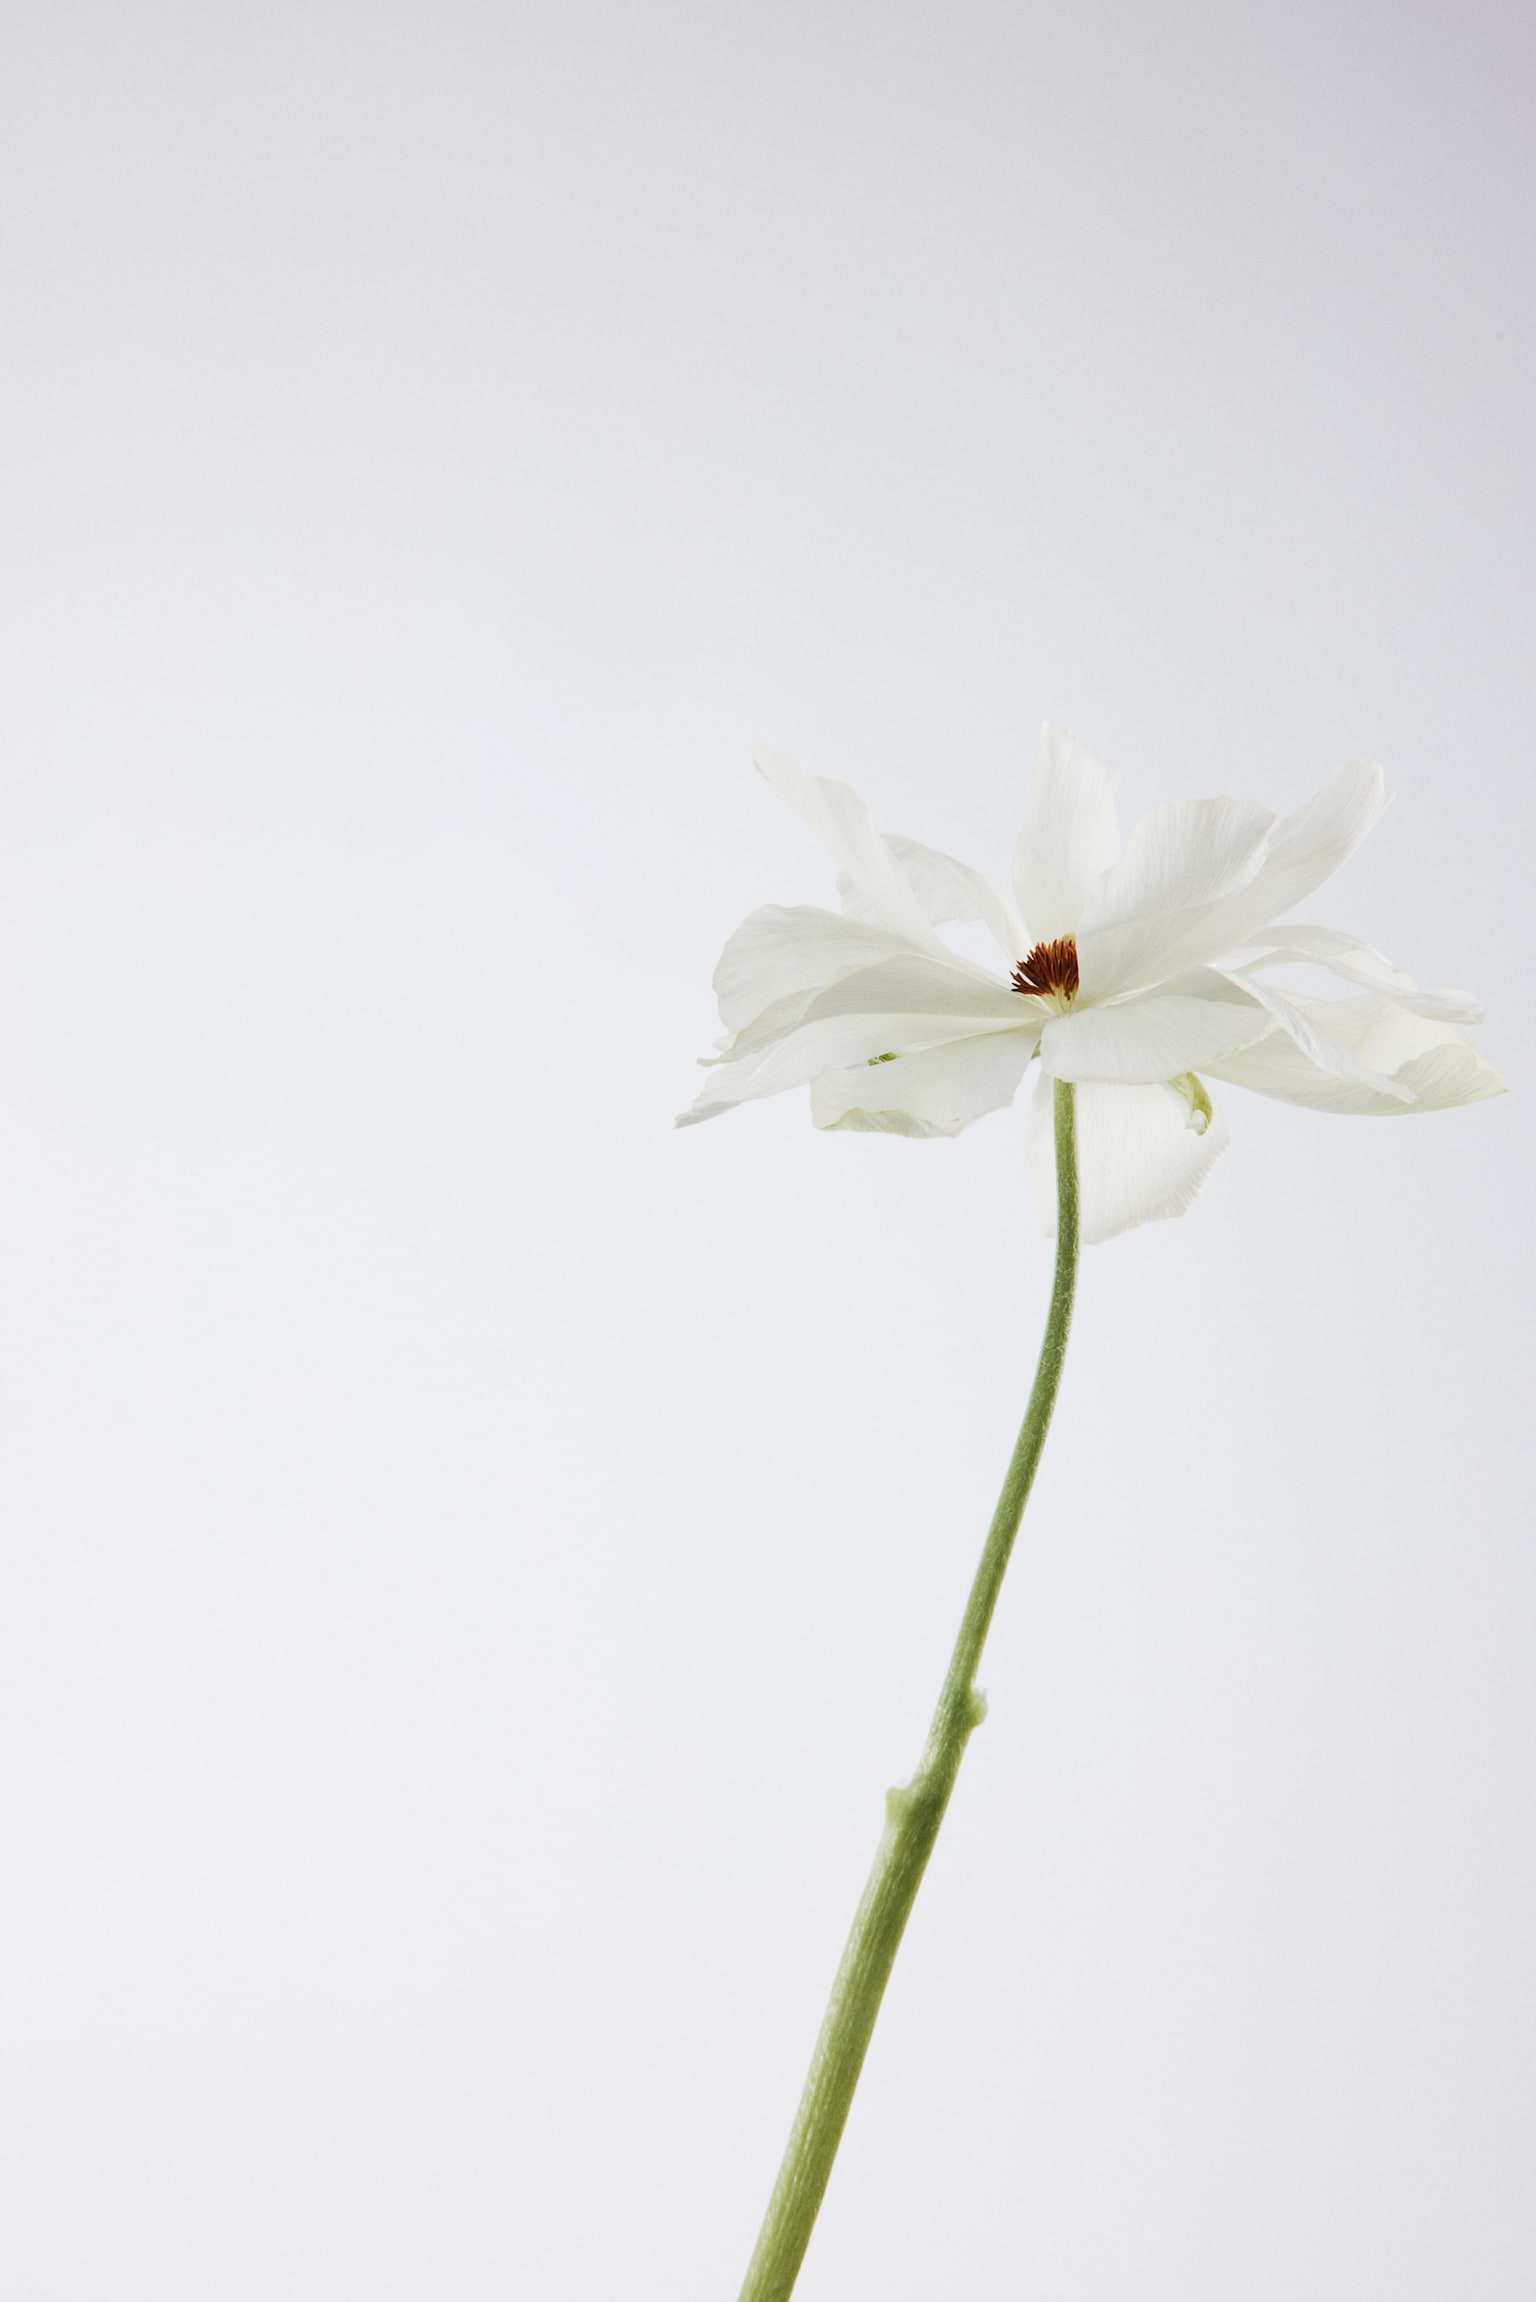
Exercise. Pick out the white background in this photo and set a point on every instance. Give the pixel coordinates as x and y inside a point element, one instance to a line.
<point>474,1559</point>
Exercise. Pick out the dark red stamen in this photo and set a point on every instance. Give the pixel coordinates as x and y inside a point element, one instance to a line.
<point>1050,967</point>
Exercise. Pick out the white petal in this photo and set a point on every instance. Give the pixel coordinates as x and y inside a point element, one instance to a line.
<point>900,1004</point>
<point>935,1092</point>
<point>1355,962</point>
<point>1142,1155</point>
<point>910,983</point>
<point>952,891</point>
<point>830,1042</point>
<point>1309,1023</point>
<point>1070,835</point>
<point>1149,915</point>
<point>1431,1061</point>
<point>841,818</point>
<point>1152,1038</point>
<point>1306,848</point>
<point>780,951</point>
<point>914,984</point>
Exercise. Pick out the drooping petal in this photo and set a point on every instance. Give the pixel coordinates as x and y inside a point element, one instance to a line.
<point>937,1091</point>
<point>951,891</point>
<point>838,816</point>
<point>1356,962</point>
<point>780,950</point>
<point>904,1002</point>
<point>1149,916</point>
<point>1070,835</point>
<point>1307,1022</point>
<point>832,1042</point>
<point>1425,1065</point>
<point>1143,1153</point>
<point>1142,1041</point>
<point>912,983</point>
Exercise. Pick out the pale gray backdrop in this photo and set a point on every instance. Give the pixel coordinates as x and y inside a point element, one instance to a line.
<point>474,1559</point>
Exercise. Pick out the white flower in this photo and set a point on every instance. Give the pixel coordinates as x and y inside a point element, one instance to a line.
<point>1140,974</point>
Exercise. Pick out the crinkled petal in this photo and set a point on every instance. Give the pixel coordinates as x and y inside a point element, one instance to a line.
<point>910,983</point>
<point>830,1042</point>
<point>1428,1065</point>
<point>1142,1041</point>
<point>1070,835</point>
<point>914,984</point>
<point>949,891</point>
<point>780,951</point>
<point>1143,1153</point>
<point>1149,916</point>
<point>937,1091</point>
<point>838,816</point>
<point>1309,1023</point>
<point>1355,962</point>
<point>1138,928</point>
<point>1305,849</point>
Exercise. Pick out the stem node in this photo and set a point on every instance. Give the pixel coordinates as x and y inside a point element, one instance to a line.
<point>914,1812</point>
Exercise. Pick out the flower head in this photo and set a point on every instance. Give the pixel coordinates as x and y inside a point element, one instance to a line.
<point>1141,972</point>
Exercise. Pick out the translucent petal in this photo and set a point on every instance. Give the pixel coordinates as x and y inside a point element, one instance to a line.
<point>1122,947</point>
<point>1145,1040</point>
<point>1308,1023</point>
<point>838,816</point>
<point>1430,1066</point>
<point>913,984</point>
<point>1069,838</point>
<point>830,1042</point>
<point>1143,1154</point>
<point>1305,849</point>
<point>1355,962</point>
<point>950,891</point>
<point>779,951</point>
<point>1180,863</point>
<point>936,1092</point>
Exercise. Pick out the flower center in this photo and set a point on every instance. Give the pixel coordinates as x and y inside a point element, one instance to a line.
<point>1050,971</point>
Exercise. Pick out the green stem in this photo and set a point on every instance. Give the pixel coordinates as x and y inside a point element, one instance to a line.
<point>913,1814</point>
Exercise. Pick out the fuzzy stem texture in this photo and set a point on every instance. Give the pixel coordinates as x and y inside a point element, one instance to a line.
<point>914,1813</point>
